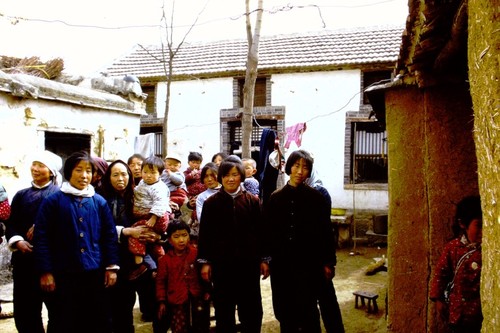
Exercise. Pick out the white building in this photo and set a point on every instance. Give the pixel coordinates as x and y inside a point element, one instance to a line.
<point>40,114</point>
<point>316,78</point>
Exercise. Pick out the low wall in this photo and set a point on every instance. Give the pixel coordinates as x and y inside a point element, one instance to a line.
<point>360,229</point>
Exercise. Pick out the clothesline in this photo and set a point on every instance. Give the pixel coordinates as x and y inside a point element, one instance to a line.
<point>315,117</point>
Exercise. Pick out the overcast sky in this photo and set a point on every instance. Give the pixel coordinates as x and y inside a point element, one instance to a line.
<point>89,34</point>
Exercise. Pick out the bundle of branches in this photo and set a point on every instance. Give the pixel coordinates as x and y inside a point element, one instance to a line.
<point>33,66</point>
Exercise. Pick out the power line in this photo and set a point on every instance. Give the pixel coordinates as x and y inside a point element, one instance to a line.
<point>275,10</point>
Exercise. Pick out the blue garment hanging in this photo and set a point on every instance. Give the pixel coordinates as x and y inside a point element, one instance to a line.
<point>267,175</point>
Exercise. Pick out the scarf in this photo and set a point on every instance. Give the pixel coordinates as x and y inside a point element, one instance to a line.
<point>86,193</point>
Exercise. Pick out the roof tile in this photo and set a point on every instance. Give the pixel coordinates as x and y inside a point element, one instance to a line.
<point>316,49</point>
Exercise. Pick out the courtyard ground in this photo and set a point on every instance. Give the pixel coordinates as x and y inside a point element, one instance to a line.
<point>350,277</point>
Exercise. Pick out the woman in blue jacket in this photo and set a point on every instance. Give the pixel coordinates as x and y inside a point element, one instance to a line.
<point>76,251</point>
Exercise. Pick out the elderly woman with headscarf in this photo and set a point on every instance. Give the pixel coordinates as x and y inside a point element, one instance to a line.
<point>100,169</point>
<point>28,297</point>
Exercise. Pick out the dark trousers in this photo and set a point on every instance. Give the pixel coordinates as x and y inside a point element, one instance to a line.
<point>146,289</point>
<point>308,321</point>
<point>81,303</point>
<point>295,296</point>
<point>122,299</point>
<point>329,307</point>
<point>28,297</point>
<point>237,286</point>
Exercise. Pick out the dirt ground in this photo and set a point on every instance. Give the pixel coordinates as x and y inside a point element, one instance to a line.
<point>351,268</point>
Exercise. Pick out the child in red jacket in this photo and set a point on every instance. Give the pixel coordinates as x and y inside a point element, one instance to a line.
<point>456,281</point>
<point>178,289</point>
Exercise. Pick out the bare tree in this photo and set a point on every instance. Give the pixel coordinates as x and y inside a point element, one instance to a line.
<point>169,51</point>
<point>250,76</point>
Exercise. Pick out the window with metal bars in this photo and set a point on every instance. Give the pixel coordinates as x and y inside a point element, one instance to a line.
<point>236,134</point>
<point>368,153</point>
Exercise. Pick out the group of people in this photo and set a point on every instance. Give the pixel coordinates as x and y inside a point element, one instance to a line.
<point>86,251</point>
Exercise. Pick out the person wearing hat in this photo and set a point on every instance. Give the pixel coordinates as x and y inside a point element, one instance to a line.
<point>175,180</point>
<point>28,297</point>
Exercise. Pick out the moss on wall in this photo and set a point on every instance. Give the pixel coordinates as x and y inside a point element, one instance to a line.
<point>483,54</point>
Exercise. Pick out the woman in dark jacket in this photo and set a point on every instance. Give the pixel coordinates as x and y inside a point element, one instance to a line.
<point>118,190</point>
<point>302,248</point>
<point>28,297</point>
<point>232,250</point>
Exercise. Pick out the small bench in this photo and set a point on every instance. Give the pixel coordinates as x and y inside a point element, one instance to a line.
<point>371,297</point>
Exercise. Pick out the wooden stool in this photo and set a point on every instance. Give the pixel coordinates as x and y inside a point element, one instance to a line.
<point>371,297</point>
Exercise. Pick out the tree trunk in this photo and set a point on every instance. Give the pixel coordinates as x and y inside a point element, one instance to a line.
<point>167,110</point>
<point>250,78</point>
<point>168,64</point>
<point>483,42</point>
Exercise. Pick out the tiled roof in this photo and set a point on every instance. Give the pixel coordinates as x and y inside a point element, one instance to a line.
<point>318,50</point>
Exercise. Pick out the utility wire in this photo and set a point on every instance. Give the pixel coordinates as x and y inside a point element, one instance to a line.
<point>17,19</point>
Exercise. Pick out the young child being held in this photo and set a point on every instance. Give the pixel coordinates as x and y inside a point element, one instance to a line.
<point>193,180</point>
<point>151,209</point>
<point>460,267</point>
<point>175,180</point>
<point>178,289</point>
<point>250,183</point>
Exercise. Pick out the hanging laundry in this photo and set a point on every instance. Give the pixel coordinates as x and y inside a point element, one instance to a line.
<point>294,133</point>
<point>145,144</point>
<point>267,175</point>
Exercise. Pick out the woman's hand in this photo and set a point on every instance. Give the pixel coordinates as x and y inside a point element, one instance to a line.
<point>142,233</point>
<point>329,272</point>
<point>29,234</point>
<point>264,270</point>
<point>162,310</point>
<point>192,202</point>
<point>110,278</point>
<point>173,206</point>
<point>24,246</point>
<point>206,272</point>
<point>47,282</point>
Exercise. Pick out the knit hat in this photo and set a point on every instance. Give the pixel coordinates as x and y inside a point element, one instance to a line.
<point>52,161</point>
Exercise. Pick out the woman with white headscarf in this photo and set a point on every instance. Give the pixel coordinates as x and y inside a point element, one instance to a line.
<point>28,297</point>
<point>327,297</point>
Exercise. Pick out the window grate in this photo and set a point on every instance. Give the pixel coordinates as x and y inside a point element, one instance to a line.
<point>370,154</point>
<point>236,132</point>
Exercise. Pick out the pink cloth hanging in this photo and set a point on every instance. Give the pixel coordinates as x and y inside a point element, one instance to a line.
<point>294,133</point>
